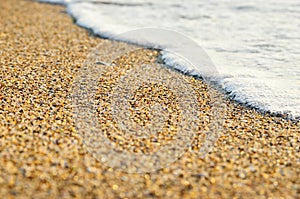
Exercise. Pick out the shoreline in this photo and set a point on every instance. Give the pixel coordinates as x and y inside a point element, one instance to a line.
<point>42,50</point>
<point>285,115</point>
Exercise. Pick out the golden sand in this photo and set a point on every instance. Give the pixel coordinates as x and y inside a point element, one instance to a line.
<point>43,156</point>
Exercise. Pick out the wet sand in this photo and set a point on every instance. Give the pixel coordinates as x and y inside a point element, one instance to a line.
<point>42,154</point>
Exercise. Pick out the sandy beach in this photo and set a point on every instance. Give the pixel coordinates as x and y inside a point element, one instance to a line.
<point>42,155</point>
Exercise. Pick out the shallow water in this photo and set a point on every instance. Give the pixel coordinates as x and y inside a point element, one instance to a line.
<point>254,44</point>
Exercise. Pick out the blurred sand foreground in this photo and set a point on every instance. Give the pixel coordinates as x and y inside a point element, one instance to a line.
<point>42,155</point>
